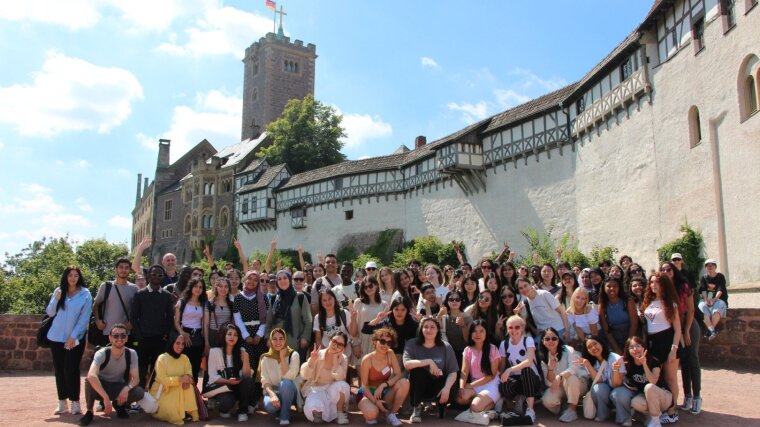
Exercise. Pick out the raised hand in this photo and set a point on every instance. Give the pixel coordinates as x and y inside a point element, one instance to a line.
<point>273,245</point>
<point>299,249</point>
<point>237,244</point>
<point>315,353</point>
<point>535,257</point>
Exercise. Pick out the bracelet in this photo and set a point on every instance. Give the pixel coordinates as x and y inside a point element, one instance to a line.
<point>674,347</point>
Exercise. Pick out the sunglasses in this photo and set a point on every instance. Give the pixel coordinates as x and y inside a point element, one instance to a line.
<point>547,339</point>
<point>119,336</point>
<point>384,342</point>
<point>338,344</point>
<point>368,286</point>
<point>309,271</point>
<point>666,270</point>
<point>485,267</point>
<point>455,299</point>
<point>636,271</point>
<point>484,299</point>
<point>156,274</point>
<point>298,279</point>
<point>370,268</point>
<point>513,327</point>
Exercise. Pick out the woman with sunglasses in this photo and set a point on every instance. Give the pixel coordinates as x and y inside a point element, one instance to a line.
<point>455,323</point>
<point>485,310</point>
<point>228,364</point>
<point>383,386</point>
<point>479,376</point>
<point>485,268</point>
<point>432,367</point>
<point>70,306</point>
<point>279,368</point>
<point>174,385</point>
<point>507,303</point>
<point>643,388</point>
<point>520,380</point>
<point>325,385</point>
<point>366,308</point>
<point>286,313</point>
<point>566,381</point>
<point>660,308</point>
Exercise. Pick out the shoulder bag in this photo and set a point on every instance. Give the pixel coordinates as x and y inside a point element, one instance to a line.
<point>589,408</point>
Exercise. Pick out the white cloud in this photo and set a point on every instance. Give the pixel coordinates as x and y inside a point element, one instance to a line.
<point>428,62</point>
<point>120,222</point>
<point>529,80</point>
<point>32,199</point>
<point>216,116</point>
<point>70,94</point>
<point>508,98</point>
<point>74,14</point>
<point>220,31</point>
<point>82,204</point>
<point>151,14</point>
<point>82,163</point>
<point>471,112</point>
<point>2,145</point>
<point>361,127</point>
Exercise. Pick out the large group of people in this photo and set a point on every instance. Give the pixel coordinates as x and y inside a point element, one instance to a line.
<point>492,339</point>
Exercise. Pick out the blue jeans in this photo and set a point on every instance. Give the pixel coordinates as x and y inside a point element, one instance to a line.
<point>287,394</point>
<point>622,397</point>
<point>600,392</point>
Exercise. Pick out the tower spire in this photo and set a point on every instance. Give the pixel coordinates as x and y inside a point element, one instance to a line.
<point>280,32</point>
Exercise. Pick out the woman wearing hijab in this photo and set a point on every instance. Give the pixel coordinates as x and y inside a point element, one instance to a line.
<point>174,385</point>
<point>279,368</point>
<point>286,313</point>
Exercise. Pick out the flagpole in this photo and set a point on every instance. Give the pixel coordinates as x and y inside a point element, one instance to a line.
<point>274,20</point>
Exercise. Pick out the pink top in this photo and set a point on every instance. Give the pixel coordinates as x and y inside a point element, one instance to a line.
<point>473,357</point>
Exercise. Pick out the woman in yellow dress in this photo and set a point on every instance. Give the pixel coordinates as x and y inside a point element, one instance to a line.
<point>173,388</point>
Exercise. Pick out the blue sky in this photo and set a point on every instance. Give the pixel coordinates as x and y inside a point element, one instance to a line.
<point>87,87</point>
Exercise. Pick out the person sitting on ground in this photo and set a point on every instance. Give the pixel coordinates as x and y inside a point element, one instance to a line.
<point>643,389</point>
<point>113,376</point>
<point>520,379</point>
<point>279,368</point>
<point>433,368</point>
<point>383,387</point>
<point>228,365</point>
<point>174,385</point>
<point>564,378</point>
<point>325,386</point>
<point>597,356</point>
<point>479,379</point>
<point>714,302</point>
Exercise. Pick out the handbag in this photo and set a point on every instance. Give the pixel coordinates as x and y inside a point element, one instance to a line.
<point>214,389</point>
<point>589,408</point>
<point>202,409</point>
<point>42,332</point>
<point>94,335</point>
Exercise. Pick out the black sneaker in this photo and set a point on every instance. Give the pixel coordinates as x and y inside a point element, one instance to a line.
<point>121,412</point>
<point>86,419</point>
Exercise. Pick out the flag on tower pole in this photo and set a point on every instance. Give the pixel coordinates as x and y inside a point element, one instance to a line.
<point>270,4</point>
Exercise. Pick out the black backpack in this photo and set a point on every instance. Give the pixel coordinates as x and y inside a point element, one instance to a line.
<point>127,353</point>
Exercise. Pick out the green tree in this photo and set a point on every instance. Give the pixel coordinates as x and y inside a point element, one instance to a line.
<point>98,257</point>
<point>427,249</point>
<point>690,246</point>
<point>306,136</point>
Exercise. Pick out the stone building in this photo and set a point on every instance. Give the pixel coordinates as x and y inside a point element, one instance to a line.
<point>665,129</point>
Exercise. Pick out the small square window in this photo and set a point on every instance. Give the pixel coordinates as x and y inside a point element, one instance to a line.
<point>349,215</point>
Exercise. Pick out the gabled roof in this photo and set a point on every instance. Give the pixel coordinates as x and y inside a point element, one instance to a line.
<point>265,179</point>
<point>530,108</point>
<point>253,165</point>
<point>236,153</point>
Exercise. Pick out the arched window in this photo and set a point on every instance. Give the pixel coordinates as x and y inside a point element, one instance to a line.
<point>223,218</point>
<point>695,128</point>
<point>747,86</point>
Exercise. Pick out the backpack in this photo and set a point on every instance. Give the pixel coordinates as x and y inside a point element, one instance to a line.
<point>127,353</point>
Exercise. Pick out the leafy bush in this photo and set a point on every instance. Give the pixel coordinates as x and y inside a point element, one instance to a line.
<point>386,245</point>
<point>346,253</point>
<point>363,259</point>
<point>599,254</point>
<point>690,246</point>
<point>427,249</point>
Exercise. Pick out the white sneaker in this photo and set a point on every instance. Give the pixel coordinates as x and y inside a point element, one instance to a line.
<point>224,415</point>
<point>654,422</point>
<point>393,419</point>
<point>696,406</point>
<point>62,408</point>
<point>242,418</point>
<point>75,408</point>
<point>342,418</point>
<point>686,405</point>
<point>284,422</point>
<point>532,414</point>
<point>251,409</point>
<point>568,416</point>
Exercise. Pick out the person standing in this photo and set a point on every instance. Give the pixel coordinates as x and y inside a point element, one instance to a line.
<point>152,316</point>
<point>71,304</point>
<point>113,377</point>
<point>117,307</point>
<point>169,262</point>
<point>330,280</point>
<point>250,314</point>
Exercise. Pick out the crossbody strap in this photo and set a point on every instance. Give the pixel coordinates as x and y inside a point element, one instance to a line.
<point>123,307</point>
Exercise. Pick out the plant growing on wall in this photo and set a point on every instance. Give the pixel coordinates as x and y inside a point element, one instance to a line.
<point>427,249</point>
<point>690,246</point>
<point>363,259</point>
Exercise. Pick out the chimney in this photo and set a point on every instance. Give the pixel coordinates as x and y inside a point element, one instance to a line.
<point>145,186</point>
<point>420,141</point>
<point>139,179</point>
<point>163,153</point>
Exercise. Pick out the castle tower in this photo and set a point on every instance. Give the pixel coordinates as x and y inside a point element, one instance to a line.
<point>275,72</point>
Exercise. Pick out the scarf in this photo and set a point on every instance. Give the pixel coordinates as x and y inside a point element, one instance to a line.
<point>274,354</point>
<point>282,304</point>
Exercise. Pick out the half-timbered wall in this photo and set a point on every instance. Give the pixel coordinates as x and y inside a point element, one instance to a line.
<point>530,137</point>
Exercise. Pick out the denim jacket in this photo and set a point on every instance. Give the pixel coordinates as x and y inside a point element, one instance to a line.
<point>71,322</point>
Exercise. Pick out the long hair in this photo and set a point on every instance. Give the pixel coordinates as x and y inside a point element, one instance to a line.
<point>627,350</point>
<point>221,340</point>
<point>404,292</point>
<point>476,294</point>
<point>64,285</point>
<point>421,338</point>
<point>363,293</point>
<point>441,277</point>
<point>322,315</point>
<point>502,308</point>
<point>578,290</point>
<point>389,272</point>
<point>554,275</point>
<point>511,281</point>
<point>187,294</point>
<point>454,293</point>
<point>667,293</point>
<point>586,355</point>
<point>604,299</point>
<point>679,281</point>
<point>490,315</point>
<point>544,352</point>
<point>229,290</point>
<point>485,353</point>
<point>407,303</point>
<point>563,292</point>
<point>495,277</point>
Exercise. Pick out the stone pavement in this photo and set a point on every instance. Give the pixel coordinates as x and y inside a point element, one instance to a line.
<point>28,399</point>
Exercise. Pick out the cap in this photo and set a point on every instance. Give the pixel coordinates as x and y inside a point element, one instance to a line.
<point>711,261</point>
<point>675,256</point>
<point>371,264</point>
